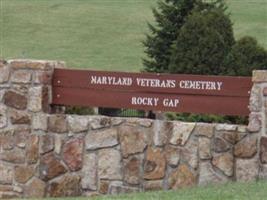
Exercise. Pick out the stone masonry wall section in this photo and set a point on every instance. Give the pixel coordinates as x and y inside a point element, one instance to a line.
<point>48,155</point>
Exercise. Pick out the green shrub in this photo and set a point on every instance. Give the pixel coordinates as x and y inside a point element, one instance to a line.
<point>203,43</point>
<point>79,110</point>
<point>245,56</point>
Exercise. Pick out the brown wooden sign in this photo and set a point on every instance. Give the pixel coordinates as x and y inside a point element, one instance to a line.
<point>144,91</point>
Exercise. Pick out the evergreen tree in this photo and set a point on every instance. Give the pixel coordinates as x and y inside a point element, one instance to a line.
<point>203,43</point>
<point>170,17</point>
<point>196,37</point>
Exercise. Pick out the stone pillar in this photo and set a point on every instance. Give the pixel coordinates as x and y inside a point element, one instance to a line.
<point>25,96</point>
<point>257,122</point>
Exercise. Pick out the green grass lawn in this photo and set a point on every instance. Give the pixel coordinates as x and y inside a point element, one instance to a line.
<point>98,34</point>
<point>256,191</point>
<point>234,191</point>
<point>249,18</point>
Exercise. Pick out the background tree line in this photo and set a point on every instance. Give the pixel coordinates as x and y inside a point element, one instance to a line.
<point>196,37</point>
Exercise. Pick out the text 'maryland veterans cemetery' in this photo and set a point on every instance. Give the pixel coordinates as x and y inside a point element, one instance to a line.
<point>155,83</point>
<point>145,91</point>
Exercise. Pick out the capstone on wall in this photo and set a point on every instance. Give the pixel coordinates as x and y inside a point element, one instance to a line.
<point>52,155</point>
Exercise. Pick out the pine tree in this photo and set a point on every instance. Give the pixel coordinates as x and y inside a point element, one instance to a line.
<point>170,17</point>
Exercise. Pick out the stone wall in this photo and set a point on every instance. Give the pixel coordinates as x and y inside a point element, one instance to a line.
<point>51,155</point>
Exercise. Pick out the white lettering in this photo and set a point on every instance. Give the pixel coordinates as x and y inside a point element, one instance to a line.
<point>155,83</point>
<point>200,85</point>
<point>110,80</point>
<point>219,85</point>
<point>93,79</point>
<point>171,103</point>
<point>146,101</point>
<point>182,84</point>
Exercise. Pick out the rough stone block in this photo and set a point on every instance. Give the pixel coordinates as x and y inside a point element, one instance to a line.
<point>155,164</point>
<point>147,123</point>
<point>132,169</point>
<point>207,175</point>
<point>219,145</point>
<point>47,143</point>
<point>35,188</point>
<point>6,174</point>
<point>255,122</point>
<point>15,100</point>
<point>153,185</point>
<point>224,162</point>
<point>204,148</point>
<point>72,153</point>
<point>35,99</point>
<point>7,141</point>
<point>116,121</point>
<point>172,155</point>
<point>21,89</point>
<point>242,129</point>
<point>203,129</point>
<point>67,186</point>
<point>247,169</point>
<point>246,148</point>
<point>182,177</point>
<point>255,101</point>
<point>39,122</point>
<point>9,195</point>
<point>103,186</point>
<point>78,124</point>
<point>50,167</point>
<point>21,76</point>
<point>109,164</point>
<point>19,117</point>
<point>232,136</point>
<point>101,139</point>
<point>89,172</point>
<point>132,140</point>
<point>181,133</point>
<point>57,124</point>
<point>116,188</point>
<point>189,153</point>
<point>58,144</point>
<point>8,191</point>
<point>97,122</point>
<point>24,173</point>
<point>15,156</point>
<point>226,127</point>
<point>21,136</point>
<point>43,77</point>
<point>162,132</point>
<point>32,149</point>
<point>6,188</point>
